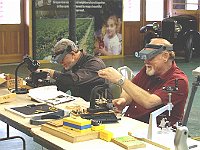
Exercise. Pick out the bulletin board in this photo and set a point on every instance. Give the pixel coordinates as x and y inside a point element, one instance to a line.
<point>93,32</point>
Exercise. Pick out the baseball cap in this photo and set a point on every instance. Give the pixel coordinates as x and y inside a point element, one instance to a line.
<point>151,50</point>
<point>61,49</point>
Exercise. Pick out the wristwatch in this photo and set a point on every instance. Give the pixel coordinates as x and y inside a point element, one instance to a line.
<point>120,82</point>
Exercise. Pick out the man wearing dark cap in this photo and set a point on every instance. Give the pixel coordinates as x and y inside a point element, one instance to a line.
<point>145,94</point>
<point>79,74</point>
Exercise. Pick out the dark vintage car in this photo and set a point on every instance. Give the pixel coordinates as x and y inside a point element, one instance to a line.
<point>181,31</point>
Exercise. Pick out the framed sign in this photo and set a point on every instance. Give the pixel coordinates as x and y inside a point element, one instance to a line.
<point>98,26</point>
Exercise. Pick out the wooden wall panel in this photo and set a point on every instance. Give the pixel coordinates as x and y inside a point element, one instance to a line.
<point>132,37</point>
<point>12,43</point>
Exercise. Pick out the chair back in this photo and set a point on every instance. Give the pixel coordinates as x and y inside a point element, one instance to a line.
<point>126,72</point>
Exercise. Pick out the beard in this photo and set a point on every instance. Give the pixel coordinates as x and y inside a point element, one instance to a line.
<point>150,71</point>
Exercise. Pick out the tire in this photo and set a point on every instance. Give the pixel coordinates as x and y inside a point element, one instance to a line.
<point>196,46</point>
<point>189,48</point>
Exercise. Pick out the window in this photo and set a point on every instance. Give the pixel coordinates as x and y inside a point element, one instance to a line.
<point>154,10</point>
<point>192,5</point>
<point>185,4</point>
<point>131,11</point>
<point>10,12</point>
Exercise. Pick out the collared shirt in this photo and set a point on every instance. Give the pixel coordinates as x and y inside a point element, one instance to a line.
<point>82,77</point>
<point>154,85</point>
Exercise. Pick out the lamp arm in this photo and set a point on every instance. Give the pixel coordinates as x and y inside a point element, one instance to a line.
<point>16,71</point>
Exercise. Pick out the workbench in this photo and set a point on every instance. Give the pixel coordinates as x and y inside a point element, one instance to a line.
<point>49,141</point>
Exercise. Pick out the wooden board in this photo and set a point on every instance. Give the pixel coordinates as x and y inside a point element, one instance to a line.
<point>7,97</point>
<point>69,135</point>
<point>129,142</point>
<point>151,142</point>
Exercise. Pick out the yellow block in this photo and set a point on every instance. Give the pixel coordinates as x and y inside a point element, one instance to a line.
<point>77,121</point>
<point>106,135</point>
<point>7,97</point>
<point>77,130</point>
<point>98,128</point>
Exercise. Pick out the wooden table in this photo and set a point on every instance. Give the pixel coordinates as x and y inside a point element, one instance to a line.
<point>51,142</point>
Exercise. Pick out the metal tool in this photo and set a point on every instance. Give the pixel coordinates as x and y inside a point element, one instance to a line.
<point>180,140</point>
<point>101,98</point>
<point>154,114</point>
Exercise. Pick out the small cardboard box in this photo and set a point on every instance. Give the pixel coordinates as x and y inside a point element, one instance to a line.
<point>7,97</point>
<point>2,78</point>
<point>10,81</point>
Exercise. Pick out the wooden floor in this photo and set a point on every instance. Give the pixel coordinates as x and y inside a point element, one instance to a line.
<point>135,65</point>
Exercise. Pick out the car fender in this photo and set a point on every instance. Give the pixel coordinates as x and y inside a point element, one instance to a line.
<point>191,32</point>
<point>195,40</point>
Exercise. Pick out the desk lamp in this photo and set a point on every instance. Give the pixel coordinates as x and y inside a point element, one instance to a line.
<point>32,66</point>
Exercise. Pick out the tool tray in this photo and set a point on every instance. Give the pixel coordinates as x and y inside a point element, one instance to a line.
<point>102,117</point>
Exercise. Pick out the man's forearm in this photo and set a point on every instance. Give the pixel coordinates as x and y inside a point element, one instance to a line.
<point>139,95</point>
<point>126,97</point>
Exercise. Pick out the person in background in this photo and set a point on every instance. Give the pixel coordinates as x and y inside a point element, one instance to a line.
<point>79,74</point>
<point>112,39</point>
<point>145,94</point>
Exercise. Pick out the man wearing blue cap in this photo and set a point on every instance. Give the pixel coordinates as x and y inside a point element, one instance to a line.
<point>145,94</point>
<point>79,74</point>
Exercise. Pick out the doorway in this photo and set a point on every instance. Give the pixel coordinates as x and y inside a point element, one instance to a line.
<point>12,31</point>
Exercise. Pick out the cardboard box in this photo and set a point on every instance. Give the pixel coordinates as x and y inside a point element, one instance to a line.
<point>10,81</point>
<point>2,78</point>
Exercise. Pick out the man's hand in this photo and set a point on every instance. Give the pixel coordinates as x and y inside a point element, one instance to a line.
<point>50,71</point>
<point>110,74</point>
<point>119,104</point>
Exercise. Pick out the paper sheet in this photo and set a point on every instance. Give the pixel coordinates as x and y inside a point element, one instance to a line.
<point>50,94</point>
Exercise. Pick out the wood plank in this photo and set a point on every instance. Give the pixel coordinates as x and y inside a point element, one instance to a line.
<point>69,135</point>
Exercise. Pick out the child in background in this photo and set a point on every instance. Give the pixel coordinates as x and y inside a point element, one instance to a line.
<point>112,39</point>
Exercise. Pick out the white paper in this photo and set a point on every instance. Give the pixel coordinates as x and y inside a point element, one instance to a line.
<point>50,94</point>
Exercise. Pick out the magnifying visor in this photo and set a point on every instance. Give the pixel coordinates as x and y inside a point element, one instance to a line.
<point>151,50</point>
<point>59,56</point>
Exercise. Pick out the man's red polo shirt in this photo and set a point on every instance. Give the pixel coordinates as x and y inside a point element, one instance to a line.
<point>154,85</point>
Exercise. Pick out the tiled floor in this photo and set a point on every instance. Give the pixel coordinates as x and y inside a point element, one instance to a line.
<point>16,144</point>
<point>135,65</point>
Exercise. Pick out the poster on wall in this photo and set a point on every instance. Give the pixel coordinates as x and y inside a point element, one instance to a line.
<point>98,26</point>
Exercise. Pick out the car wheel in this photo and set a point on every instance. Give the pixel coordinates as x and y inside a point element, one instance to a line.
<point>196,46</point>
<point>189,48</point>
